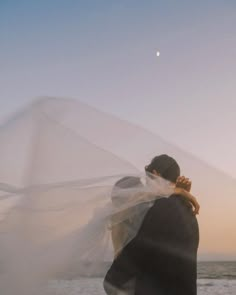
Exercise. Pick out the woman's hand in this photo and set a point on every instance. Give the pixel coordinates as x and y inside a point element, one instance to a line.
<point>184,182</point>
<point>189,197</point>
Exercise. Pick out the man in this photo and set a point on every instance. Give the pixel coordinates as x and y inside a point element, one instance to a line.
<point>162,258</point>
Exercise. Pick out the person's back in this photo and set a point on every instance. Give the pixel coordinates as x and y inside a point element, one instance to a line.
<point>161,259</point>
<point>169,256</point>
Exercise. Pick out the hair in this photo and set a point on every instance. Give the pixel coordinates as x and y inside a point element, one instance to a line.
<point>120,232</point>
<point>124,183</point>
<point>166,166</point>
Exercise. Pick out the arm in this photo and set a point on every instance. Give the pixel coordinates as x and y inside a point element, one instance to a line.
<point>189,197</point>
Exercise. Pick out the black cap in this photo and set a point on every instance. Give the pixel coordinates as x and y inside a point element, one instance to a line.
<point>166,166</point>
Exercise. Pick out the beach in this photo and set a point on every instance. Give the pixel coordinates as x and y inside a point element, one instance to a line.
<point>93,286</point>
<point>213,278</point>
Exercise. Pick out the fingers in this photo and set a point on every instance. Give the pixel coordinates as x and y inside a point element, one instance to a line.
<point>183,179</point>
<point>196,210</point>
<point>196,206</point>
<point>184,182</point>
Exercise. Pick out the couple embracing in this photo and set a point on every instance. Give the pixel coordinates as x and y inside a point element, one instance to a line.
<point>161,259</point>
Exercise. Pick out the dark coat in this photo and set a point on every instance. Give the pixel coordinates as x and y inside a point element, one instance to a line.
<point>162,258</point>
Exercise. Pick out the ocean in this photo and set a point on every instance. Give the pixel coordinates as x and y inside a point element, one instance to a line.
<point>214,278</point>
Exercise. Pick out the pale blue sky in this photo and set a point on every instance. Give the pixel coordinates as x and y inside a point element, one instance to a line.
<point>103,53</point>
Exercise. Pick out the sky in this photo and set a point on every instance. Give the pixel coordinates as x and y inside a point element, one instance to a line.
<point>103,53</point>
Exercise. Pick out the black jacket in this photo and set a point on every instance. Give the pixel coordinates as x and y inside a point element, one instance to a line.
<point>162,258</point>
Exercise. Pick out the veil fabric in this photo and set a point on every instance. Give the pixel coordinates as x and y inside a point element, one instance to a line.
<point>62,163</point>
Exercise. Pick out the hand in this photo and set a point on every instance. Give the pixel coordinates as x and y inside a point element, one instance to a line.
<point>183,182</point>
<point>190,198</point>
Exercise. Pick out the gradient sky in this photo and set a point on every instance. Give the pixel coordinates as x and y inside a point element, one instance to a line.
<point>104,53</point>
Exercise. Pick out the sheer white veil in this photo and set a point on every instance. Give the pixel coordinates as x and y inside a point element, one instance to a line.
<point>61,166</point>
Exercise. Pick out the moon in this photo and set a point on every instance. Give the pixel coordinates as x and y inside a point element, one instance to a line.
<point>158,53</point>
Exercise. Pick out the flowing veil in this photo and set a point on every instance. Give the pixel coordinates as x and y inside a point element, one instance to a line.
<point>66,183</point>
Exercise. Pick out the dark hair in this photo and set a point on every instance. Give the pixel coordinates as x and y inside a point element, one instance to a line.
<point>125,183</point>
<point>121,231</point>
<point>128,181</point>
<point>166,166</point>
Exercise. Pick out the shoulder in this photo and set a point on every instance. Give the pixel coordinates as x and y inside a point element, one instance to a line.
<point>163,202</point>
<point>180,201</point>
<point>173,205</point>
<point>161,208</point>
